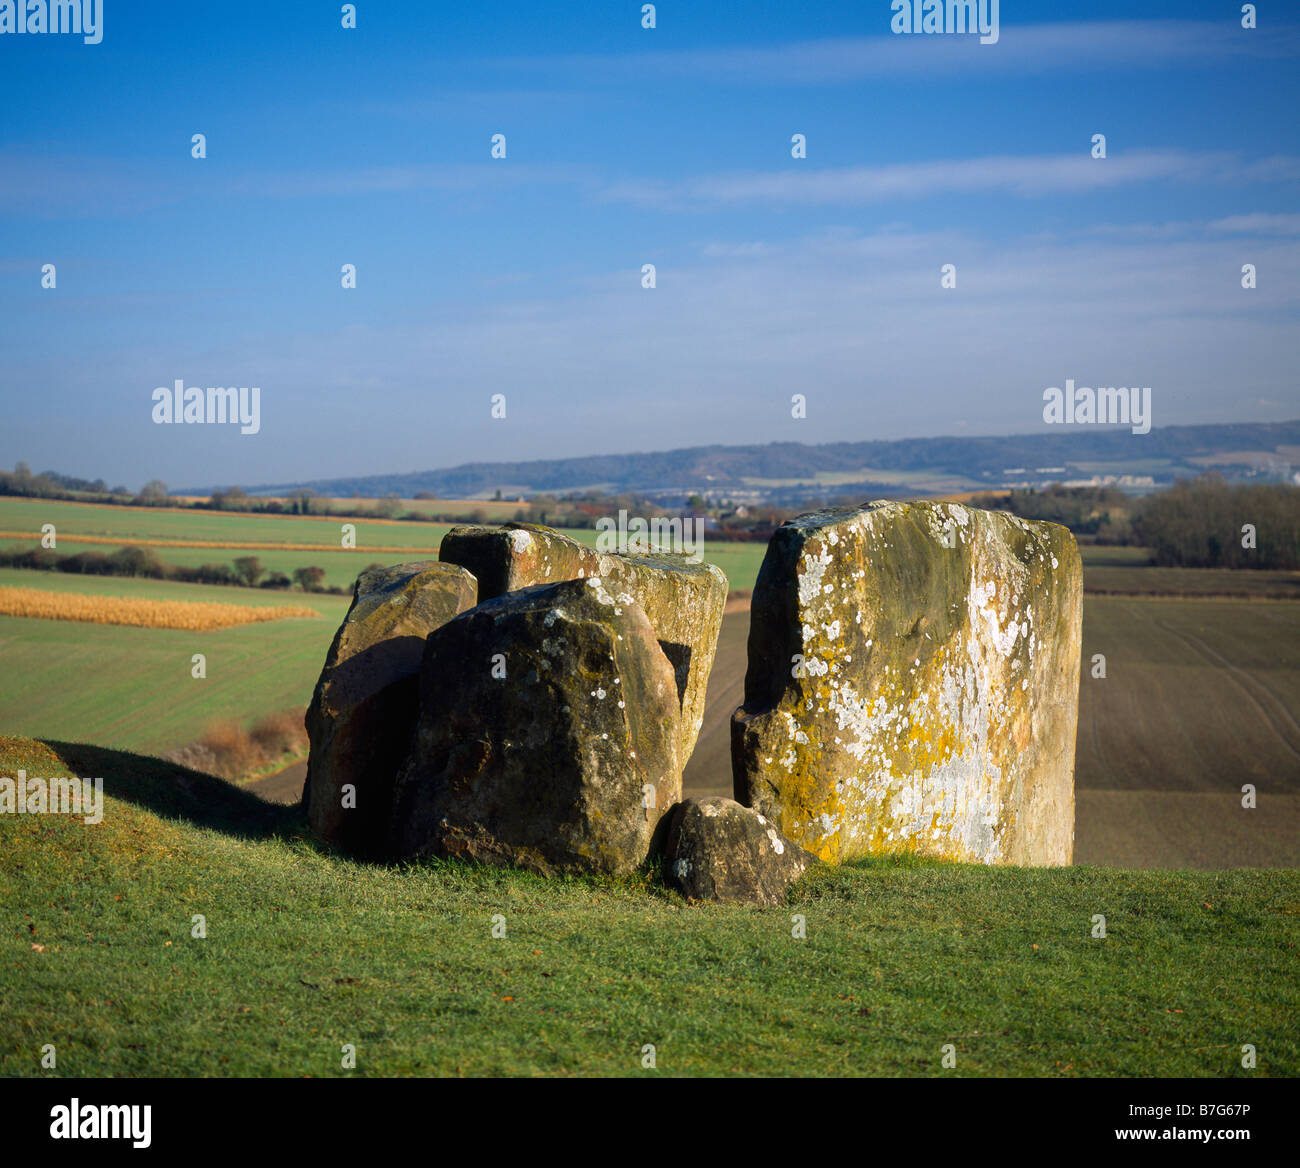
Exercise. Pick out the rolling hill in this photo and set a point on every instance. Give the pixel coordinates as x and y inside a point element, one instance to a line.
<point>787,471</point>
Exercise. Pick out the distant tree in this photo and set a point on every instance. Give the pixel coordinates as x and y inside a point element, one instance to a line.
<point>249,570</point>
<point>87,563</point>
<point>275,580</point>
<point>153,493</point>
<point>389,506</point>
<point>1199,523</point>
<point>696,503</point>
<point>136,561</point>
<point>309,579</point>
<point>215,574</point>
<point>425,495</point>
<point>231,499</point>
<point>497,497</point>
<point>302,501</point>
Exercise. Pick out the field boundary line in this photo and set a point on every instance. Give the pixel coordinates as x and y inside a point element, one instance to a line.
<point>219,545</point>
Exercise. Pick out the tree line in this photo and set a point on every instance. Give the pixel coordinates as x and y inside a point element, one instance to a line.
<point>139,562</point>
<point>1204,522</point>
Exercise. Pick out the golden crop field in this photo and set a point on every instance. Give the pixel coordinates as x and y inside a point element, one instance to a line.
<point>141,612</point>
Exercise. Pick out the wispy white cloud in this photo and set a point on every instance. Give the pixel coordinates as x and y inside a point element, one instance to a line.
<point>41,186</point>
<point>1022,176</point>
<point>751,250</point>
<point>38,186</point>
<point>477,102</point>
<point>375,180</point>
<point>858,322</point>
<point>1067,47</point>
<point>1258,223</point>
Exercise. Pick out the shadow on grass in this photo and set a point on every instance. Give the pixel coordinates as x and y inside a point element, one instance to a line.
<point>176,792</point>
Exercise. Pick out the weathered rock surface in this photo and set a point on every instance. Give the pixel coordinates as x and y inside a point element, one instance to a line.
<point>518,555</point>
<point>545,715</point>
<point>913,685</point>
<point>684,600</point>
<point>364,709</point>
<point>718,850</point>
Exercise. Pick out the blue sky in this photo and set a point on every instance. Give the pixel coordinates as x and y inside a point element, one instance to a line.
<point>628,146</point>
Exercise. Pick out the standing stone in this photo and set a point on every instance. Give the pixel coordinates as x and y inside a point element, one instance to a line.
<point>913,685</point>
<point>719,850</point>
<point>518,555</point>
<point>548,735</point>
<point>364,709</point>
<point>684,600</point>
<point>685,603</point>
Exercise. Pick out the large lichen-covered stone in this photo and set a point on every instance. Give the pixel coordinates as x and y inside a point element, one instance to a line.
<point>718,850</point>
<point>683,599</point>
<point>548,735</point>
<point>364,709</point>
<point>913,685</point>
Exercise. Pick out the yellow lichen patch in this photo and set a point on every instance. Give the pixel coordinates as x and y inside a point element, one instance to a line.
<point>933,637</point>
<point>141,612</point>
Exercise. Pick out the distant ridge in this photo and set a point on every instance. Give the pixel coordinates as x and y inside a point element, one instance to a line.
<point>792,468</point>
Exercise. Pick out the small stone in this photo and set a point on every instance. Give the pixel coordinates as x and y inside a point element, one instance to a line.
<point>718,850</point>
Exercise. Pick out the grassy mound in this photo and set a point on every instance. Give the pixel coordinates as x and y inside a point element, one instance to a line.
<point>306,951</point>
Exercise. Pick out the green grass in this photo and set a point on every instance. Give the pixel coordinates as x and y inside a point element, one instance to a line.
<point>165,523</point>
<point>740,561</point>
<point>131,687</point>
<point>341,567</point>
<point>306,951</point>
<point>1099,554</point>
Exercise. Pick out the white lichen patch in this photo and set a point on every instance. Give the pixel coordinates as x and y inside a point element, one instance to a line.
<point>815,564</point>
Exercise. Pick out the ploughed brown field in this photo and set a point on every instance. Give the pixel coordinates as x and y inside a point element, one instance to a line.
<point>1200,697</point>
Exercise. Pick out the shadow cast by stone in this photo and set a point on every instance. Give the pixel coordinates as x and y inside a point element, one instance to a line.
<point>176,792</point>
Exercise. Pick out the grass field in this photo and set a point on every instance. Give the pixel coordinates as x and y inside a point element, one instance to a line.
<point>133,688</point>
<point>166,523</point>
<point>305,952</point>
<point>120,686</point>
<point>110,526</point>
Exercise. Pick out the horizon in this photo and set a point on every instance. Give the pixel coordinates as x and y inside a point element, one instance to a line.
<point>1063,434</point>
<point>627,146</point>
